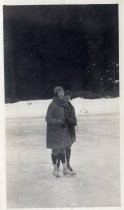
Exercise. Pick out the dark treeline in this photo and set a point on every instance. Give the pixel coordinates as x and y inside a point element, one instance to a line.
<point>75,46</point>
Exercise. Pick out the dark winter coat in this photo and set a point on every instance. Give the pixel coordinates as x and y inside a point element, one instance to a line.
<point>57,130</point>
<point>71,120</point>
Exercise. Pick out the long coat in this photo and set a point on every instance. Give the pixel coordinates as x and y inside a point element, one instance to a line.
<point>57,133</point>
<point>71,120</point>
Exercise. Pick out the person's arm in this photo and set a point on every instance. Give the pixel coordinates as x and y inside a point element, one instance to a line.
<point>72,120</point>
<point>75,119</point>
<point>49,116</point>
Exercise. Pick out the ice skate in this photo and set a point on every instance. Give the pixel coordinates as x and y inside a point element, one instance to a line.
<point>56,173</point>
<point>66,171</point>
<point>70,169</point>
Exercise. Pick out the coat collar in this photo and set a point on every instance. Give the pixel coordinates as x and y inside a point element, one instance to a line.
<point>58,101</point>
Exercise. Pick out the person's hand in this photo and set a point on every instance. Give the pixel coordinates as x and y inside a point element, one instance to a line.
<point>70,121</point>
<point>63,123</point>
<point>59,122</point>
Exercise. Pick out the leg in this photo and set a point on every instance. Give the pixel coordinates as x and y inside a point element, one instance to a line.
<point>58,162</point>
<point>54,157</point>
<point>68,155</point>
<point>62,158</point>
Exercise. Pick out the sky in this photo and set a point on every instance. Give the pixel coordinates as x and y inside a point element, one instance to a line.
<point>75,46</point>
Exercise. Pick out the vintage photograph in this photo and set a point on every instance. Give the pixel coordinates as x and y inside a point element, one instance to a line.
<point>62,124</point>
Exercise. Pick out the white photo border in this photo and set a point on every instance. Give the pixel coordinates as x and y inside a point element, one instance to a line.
<point>3,202</point>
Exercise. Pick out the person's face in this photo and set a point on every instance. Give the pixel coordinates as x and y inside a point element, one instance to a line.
<point>67,98</point>
<point>61,94</point>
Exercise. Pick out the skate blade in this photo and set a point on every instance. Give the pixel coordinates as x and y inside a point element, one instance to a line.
<point>56,175</point>
<point>66,174</point>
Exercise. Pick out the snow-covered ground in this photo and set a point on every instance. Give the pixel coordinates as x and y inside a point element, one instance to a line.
<point>82,107</point>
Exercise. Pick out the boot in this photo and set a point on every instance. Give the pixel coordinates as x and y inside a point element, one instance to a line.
<point>55,171</point>
<point>66,171</point>
<point>68,155</point>
<point>69,167</point>
<point>54,160</point>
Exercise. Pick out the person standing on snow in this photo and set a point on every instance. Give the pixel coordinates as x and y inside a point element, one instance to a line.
<point>71,122</point>
<point>58,137</point>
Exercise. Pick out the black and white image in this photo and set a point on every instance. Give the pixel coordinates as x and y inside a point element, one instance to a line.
<point>61,67</point>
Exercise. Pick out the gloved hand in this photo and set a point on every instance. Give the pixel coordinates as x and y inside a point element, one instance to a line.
<point>63,123</point>
<point>70,121</point>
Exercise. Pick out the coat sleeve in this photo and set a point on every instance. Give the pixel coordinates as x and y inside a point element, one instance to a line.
<point>72,119</point>
<point>49,116</point>
<point>75,119</point>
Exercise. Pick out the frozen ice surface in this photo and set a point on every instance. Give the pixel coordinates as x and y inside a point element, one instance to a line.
<point>95,158</point>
